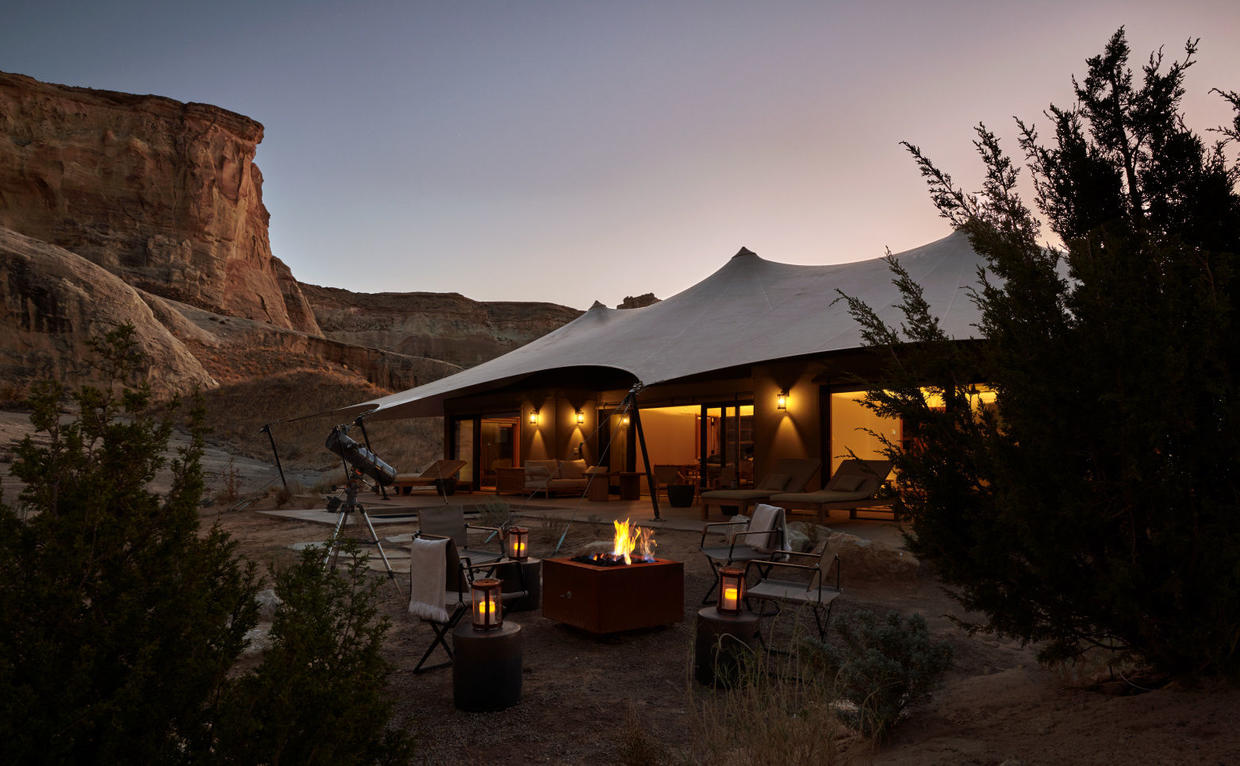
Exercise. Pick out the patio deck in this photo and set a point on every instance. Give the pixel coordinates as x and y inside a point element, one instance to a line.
<point>398,509</point>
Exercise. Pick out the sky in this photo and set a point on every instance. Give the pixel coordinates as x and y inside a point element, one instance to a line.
<point>580,151</point>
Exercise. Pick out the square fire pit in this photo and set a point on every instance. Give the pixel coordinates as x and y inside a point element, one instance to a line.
<point>609,599</point>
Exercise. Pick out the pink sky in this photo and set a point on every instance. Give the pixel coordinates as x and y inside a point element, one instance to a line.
<point>573,151</point>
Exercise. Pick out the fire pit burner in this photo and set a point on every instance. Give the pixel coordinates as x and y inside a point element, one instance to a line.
<point>609,598</point>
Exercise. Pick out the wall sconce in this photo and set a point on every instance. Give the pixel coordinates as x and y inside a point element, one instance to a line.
<point>485,598</point>
<point>581,417</point>
<point>533,417</point>
<point>781,401</point>
<point>624,420</point>
<point>518,543</point>
<point>731,590</point>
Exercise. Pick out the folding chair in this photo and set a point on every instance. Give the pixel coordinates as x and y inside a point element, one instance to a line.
<point>762,537</point>
<point>776,582</point>
<point>439,589</point>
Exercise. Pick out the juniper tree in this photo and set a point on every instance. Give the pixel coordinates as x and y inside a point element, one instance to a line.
<point>1098,502</point>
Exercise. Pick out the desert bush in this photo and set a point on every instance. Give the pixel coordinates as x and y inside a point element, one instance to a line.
<point>120,624</point>
<point>319,695</point>
<point>777,710</point>
<point>882,666</point>
<point>496,513</point>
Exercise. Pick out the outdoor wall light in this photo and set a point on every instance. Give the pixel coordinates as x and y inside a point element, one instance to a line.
<point>781,401</point>
<point>485,598</point>
<point>533,417</point>
<point>731,590</point>
<point>581,417</point>
<point>624,420</point>
<point>518,543</point>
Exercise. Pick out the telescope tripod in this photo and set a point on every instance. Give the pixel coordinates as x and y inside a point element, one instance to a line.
<point>347,506</point>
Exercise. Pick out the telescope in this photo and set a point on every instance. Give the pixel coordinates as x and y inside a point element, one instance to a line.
<point>359,458</point>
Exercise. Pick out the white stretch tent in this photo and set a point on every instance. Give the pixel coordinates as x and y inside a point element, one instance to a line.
<point>751,310</point>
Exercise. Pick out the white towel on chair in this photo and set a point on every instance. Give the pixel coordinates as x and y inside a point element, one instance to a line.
<point>767,517</point>
<point>428,578</point>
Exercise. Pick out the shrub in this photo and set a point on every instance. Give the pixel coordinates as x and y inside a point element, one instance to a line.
<point>883,666</point>
<point>319,695</point>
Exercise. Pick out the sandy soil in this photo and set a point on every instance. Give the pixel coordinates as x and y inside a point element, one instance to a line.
<point>997,705</point>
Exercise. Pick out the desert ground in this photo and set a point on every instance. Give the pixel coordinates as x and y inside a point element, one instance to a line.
<point>630,697</point>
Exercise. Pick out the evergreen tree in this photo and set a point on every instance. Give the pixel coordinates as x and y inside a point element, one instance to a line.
<point>118,623</point>
<point>1097,503</point>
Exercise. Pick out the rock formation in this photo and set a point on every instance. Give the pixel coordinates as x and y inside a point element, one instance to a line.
<point>162,193</point>
<point>54,302</point>
<point>637,301</point>
<point>443,326</point>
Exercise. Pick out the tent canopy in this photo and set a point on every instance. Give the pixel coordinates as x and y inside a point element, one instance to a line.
<point>751,310</point>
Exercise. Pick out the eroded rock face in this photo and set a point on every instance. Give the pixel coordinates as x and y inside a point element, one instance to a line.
<point>53,302</point>
<point>162,193</point>
<point>444,326</point>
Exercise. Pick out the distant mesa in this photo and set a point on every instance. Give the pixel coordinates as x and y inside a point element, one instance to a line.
<point>637,302</point>
<point>119,208</point>
<point>164,194</point>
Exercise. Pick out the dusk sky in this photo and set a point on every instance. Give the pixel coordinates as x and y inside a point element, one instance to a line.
<point>573,151</point>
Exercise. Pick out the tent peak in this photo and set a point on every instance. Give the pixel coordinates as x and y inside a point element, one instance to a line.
<point>597,305</point>
<point>744,251</point>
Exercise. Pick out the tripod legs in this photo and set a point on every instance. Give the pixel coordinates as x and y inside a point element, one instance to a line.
<point>333,548</point>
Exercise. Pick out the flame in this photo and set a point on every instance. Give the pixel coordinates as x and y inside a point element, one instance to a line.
<point>625,540</point>
<point>630,537</point>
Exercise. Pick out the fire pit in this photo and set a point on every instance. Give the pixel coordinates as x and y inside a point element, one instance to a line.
<point>617,591</point>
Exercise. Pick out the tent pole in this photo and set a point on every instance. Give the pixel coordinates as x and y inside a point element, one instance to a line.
<point>641,441</point>
<point>267,430</point>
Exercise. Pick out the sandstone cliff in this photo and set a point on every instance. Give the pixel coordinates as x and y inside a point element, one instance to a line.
<point>55,302</point>
<point>443,326</point>
<point>162,193</point>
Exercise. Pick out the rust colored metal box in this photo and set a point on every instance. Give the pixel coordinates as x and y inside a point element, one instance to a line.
<point>612,599</point>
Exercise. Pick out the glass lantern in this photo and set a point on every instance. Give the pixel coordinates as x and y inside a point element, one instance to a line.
<point>518,547</point>
<point>731,590</point>
<point>487,611</point>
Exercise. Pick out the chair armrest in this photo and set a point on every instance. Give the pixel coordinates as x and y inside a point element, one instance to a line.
<point>706,528</point>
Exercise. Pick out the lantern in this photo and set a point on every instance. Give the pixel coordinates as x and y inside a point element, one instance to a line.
<point>485,595</point>
<point>581,417</point>
<point>781,401</point>
<point>731,590</point>
<point>533,417</point>
<point>518,543</point>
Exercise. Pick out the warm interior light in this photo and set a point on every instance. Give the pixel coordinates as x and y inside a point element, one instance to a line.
<point>781,401</point>
<point>518,543</point>
<point>581,417</point>
<point>487,614</point>
<point>731,590</point>
<point>624,420</point>
<point>533,417</point>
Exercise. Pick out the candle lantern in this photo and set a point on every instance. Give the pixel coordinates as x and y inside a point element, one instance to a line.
<point>518,543</point>
<point>781,401</point>
<point>731,590</point>
<point>487,611</point>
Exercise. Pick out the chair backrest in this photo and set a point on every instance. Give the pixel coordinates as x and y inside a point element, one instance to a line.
<point>444,521</point>
<point>766,518</point>
<point>860,476</point>
<point>442,469</point>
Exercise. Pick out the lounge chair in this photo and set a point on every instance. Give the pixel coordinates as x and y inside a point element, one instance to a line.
<point>854,483</point>
<point>790,474</point>
<point>436,474</point>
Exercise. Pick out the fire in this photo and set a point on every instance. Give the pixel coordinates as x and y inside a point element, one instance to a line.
<point>625,541</point>
<point>630,537</point>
